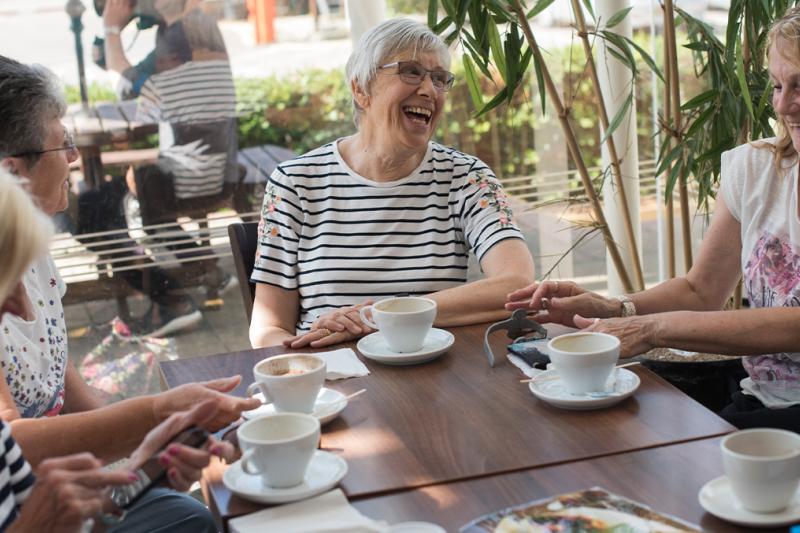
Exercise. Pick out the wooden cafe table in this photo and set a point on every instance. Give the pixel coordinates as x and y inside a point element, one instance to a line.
<point>455,418</point>
<point>667,479</point>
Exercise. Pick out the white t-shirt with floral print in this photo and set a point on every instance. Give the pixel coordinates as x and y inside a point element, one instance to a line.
<point>33,354</point>
<point>766,204</point>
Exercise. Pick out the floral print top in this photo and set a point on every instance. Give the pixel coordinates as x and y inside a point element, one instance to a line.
<point>765,202</point>
<point>33,354</point>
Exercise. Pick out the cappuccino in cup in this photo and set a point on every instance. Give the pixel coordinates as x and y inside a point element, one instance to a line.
<point>584,360</point>
<point>404,321</point>
<point>290,382</point>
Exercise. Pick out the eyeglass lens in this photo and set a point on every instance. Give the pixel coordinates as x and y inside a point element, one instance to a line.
<point>414,73</point>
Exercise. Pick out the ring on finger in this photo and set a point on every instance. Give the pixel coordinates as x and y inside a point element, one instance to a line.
<point>326,331</point>
<point>545,304</point>
<point>556,287</point>
<point>596,321</point>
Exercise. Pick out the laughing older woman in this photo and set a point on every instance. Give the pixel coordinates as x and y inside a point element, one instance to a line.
<point>384,211</point>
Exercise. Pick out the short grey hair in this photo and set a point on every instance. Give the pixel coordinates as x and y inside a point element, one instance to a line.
<point>30,97</point>
<point>386,41</point>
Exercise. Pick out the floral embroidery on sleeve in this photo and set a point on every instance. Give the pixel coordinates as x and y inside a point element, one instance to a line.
<point>493,196</point>
<point>271,200</point>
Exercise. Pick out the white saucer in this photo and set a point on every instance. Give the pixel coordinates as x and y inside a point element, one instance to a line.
<point>717,498</point>
<point>374,347</point>
<point>327,407</point>
<point>622,384</point>
<point>415,527</point>
<point>324,471</point>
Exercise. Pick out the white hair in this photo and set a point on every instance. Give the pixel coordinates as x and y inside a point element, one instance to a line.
<point>383,43</point>
<point>25,232</point>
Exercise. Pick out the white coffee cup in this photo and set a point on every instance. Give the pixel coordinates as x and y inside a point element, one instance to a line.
<point>763,467</point>
<point>290,382</point>
<point>404,321</point>
<point>584,360</point>
<point>278,447</point>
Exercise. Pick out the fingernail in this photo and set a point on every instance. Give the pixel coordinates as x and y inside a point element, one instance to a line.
<point>173,450</point>
<point>164,460</point>
<point>132,476</point>
<point>215,449</point>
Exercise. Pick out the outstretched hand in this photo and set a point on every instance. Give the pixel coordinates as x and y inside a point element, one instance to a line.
<point>560,301</point>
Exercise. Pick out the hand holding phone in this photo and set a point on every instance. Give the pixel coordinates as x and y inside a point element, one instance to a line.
<point>153,473</point>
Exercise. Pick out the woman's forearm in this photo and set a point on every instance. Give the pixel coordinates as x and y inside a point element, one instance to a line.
<point>740,332</point>
<point>110,432</point>
<point>263,336</point>
<point>675,294</point>
<point>476,302</point>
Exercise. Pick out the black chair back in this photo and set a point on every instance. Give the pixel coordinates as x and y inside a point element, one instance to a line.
<point>244,241</point>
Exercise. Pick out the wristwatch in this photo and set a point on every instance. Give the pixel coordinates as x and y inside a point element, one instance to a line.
<point>628,308</point>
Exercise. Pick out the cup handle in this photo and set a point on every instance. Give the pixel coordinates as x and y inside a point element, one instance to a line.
<point>254,387</point>
<point>364,318</point>
<point>247,465</point>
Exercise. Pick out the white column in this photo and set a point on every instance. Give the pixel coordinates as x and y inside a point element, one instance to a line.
<point>615,83</point>
<point>364,15</point>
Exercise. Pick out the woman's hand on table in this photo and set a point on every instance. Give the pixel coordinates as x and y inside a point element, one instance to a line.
<point>184,464</point>
<point>636,334</point>
<point>560,301</point>
<point>331,328</point>
<point>187,396</point>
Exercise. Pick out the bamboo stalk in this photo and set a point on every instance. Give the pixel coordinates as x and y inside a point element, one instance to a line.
<point>675,93</point>
<point>668,139</point>
<point>612,148</point>
<point>574,149</point>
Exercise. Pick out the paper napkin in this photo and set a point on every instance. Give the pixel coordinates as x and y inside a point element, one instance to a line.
<point>327,513</point>
<point>343,363</point>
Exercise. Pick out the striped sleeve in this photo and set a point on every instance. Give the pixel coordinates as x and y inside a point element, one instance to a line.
<point>279,233</point>
<point>485,213</point>
<point>16,478</point>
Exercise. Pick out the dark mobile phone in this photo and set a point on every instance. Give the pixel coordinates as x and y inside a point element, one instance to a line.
<point>152,473</point>
<point>530,352</point>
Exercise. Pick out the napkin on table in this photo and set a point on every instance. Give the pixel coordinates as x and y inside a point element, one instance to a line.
<point>327,513</point>
<point>343,363</point>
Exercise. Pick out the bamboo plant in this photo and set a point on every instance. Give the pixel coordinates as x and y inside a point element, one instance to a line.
<point>497,34</point>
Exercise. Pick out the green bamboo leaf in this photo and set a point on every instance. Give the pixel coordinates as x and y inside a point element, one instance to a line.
<point>540,83</point>
<point>449,8</point>
<point>617,120</point>
<point>740,75</point>
<point>442,25</point>
<point>618,17</point>
<point>646,58</point>
<point>700,99</point>
<point>498,99</point>
<point>433,12</point>
<point>538,7</point>
<point>461,14</point>
<point>622,47</point>
<point>473,83</point>
<point>589,8</point>
<point>700,122</point>
<point>498,56</point>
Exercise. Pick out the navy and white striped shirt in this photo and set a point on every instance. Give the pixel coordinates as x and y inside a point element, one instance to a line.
<point>16,477</point>
<point>340,239</point>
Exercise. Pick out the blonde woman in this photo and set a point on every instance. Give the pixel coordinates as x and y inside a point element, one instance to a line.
<point>755,232</point>
<point>69,490</point>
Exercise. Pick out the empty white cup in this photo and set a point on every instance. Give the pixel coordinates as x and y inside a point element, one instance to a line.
<point>584,360</point>
<point>404,321</point>
<point>278,447</point>
<point>291,382</point>
<point>763,467</point>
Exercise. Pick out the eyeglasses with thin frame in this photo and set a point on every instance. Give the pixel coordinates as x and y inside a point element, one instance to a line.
<point>413,73</point>
<point>69,146</point>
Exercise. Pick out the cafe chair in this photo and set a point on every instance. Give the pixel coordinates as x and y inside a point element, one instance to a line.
<point>244,241</point>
